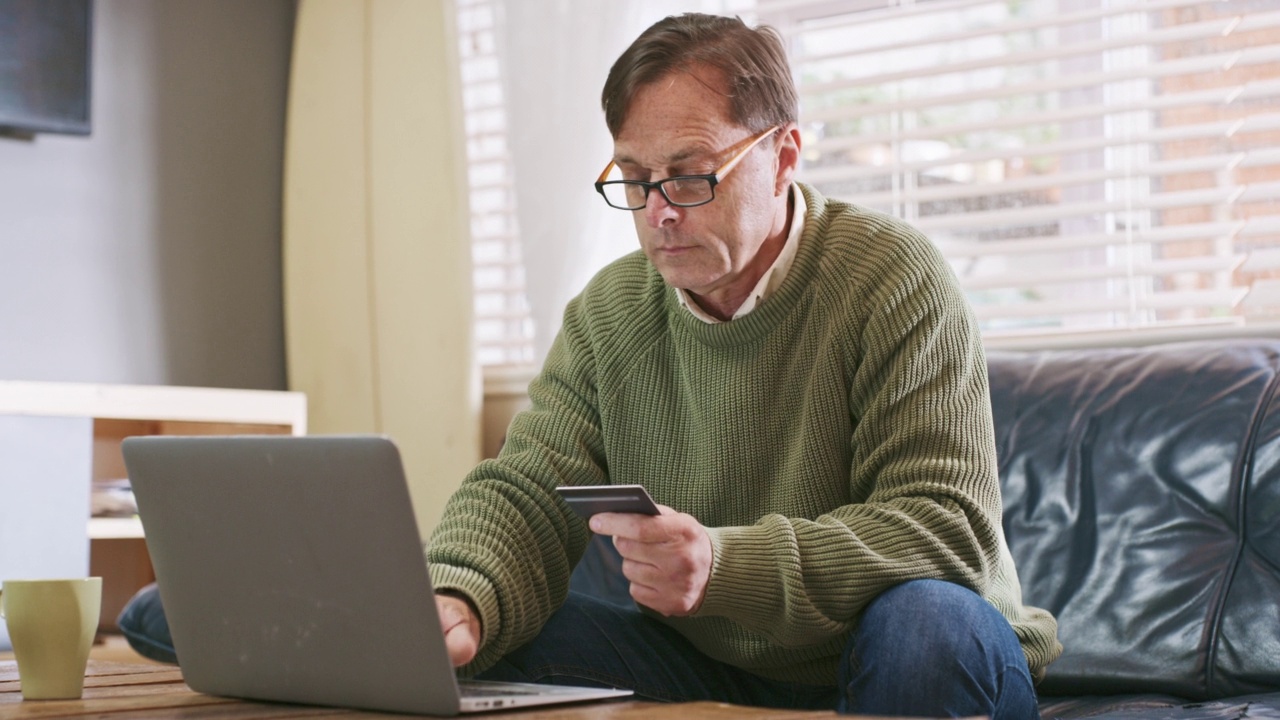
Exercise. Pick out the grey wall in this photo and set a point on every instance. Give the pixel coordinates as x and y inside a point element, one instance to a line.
<point>149,252</point>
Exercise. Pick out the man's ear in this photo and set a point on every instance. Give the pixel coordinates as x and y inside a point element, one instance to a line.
<point>788,147</point>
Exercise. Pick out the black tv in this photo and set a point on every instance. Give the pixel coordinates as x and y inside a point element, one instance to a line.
<point>45,58</point>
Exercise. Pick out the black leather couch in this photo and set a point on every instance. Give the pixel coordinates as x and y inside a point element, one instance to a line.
<point>1142,504</point>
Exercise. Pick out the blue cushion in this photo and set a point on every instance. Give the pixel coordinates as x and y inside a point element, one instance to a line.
<point>146,628</point>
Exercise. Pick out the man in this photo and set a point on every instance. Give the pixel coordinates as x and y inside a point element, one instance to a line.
<point>800,384</point>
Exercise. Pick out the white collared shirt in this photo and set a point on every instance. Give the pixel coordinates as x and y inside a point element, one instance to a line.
<point>772,278</point>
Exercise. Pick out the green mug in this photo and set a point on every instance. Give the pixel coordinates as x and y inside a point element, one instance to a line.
<point>51,625</point>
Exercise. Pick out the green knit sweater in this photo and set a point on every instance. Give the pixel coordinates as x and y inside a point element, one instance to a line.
<point>835,441</point>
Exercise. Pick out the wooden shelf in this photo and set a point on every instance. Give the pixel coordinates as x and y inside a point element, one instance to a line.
<point>148,402</point>
<point>95,419</point>
<point>114,528</point>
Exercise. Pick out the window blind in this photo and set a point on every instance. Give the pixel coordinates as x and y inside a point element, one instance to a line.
<point>503,325</point>
<point>1087,166</point>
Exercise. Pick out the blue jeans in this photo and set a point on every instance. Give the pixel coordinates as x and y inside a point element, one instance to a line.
<point>924,648</point>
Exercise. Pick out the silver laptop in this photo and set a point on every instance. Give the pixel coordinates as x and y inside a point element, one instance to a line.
<point>291,569</point>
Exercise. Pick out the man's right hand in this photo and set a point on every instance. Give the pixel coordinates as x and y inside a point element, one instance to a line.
<point>461,628</point>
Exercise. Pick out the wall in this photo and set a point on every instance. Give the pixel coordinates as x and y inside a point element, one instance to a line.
<point>149,252</point>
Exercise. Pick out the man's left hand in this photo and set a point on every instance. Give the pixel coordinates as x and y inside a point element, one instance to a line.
<point>667,557</point>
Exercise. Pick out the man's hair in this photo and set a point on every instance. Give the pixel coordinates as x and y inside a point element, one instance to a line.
<point>752,63</point>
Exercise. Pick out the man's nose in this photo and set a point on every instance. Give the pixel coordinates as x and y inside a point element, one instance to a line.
<point>659,212</point>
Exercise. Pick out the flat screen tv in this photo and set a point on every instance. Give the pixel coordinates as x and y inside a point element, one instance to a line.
<point>45,55</point>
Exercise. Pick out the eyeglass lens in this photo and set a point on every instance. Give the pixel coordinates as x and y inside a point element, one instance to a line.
<point>679,191</point>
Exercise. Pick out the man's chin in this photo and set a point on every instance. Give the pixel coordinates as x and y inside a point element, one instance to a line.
<point>683,280</point>
<point>684,272</point>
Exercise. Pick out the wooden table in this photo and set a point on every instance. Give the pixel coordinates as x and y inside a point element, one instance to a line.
<point>129,690</point>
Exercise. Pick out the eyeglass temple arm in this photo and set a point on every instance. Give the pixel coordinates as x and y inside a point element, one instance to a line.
<point>733,161</point>
<point>604,175</point>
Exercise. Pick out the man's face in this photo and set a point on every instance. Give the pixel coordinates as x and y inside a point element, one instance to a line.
<point>678,126</point>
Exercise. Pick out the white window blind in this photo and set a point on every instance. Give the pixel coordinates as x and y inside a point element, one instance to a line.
<point>503,325</point>
<point>1087,166</point>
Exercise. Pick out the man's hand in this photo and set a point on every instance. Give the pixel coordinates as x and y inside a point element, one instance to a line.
<point>461,628</point>
<point>666,557</point>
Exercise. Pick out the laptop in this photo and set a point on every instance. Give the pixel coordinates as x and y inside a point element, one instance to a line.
<point>291,569</point>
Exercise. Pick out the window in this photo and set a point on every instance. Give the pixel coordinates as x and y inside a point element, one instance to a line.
<point>1091,168</point>
<point>1086,166</point>
<point>503,325</point>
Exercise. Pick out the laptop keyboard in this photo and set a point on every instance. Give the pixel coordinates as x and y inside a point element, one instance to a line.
<point>474,690</point>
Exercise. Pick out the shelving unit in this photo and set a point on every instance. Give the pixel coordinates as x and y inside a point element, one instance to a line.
<point>98,418</point>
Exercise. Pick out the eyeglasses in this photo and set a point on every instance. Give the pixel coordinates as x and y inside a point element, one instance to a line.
<point>679,190</point>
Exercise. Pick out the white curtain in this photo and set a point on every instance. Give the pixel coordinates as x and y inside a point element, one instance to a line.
<point>555,56</point>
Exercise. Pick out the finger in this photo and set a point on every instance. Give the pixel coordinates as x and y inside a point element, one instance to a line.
<point>615,524</point>
<point>461,644</point>
<point>453,612</point>
<point>644,595</point>
<point>664,601</point>
<point>677,578</point>
<point>668,532</point>
<point>644,528</point>
<point>625,524</point>
<point>648,596</point>
<point>651,553</point>
<point>638,572</point>
<point>461,629</point>
<point>642,552</point>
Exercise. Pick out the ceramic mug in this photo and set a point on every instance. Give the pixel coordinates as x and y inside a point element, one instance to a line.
<point>51,625</point>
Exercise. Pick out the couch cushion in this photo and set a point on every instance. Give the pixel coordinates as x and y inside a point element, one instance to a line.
<point>145,626</point>
<point>1161,707</point>
<point>1140,515</point>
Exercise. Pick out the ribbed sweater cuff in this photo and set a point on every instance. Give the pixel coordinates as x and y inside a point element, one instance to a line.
<point>742,557</point>
<point>475,586</point>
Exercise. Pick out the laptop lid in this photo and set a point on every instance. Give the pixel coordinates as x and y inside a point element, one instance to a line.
<point>291,569</point>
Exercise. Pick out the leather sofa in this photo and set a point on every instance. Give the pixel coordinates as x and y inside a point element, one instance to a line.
<point>1141,496</point>
<point>1142,504</point>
